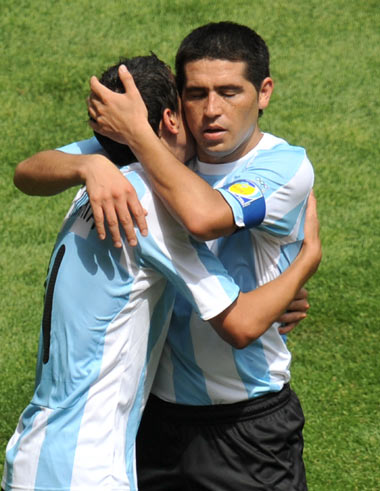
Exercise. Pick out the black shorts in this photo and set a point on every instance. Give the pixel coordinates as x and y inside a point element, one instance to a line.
<point>250,445</point>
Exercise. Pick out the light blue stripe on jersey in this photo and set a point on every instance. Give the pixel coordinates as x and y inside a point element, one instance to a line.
<point>71,351</point>
<point>245,360</point>
<point>83,147</point>
<point>137,183</point>
<point>180,333</point>
<point>236,252</point>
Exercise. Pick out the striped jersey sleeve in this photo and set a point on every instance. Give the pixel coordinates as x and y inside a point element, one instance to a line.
<point>269,191</point>
<point>189,265</point>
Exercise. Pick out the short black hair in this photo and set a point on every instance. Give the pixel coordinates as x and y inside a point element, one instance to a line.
<point>156,83</point>
<point>224,41</point>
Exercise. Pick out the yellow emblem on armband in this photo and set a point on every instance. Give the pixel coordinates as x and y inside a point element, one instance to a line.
<point>243,189</point>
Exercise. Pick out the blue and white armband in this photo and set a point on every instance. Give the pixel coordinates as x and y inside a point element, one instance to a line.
<point>247,202</point>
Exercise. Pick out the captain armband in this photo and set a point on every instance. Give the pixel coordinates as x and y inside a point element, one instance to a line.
<point>248,195</point>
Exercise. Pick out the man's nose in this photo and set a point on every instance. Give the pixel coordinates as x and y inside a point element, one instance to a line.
<point>213,106</point>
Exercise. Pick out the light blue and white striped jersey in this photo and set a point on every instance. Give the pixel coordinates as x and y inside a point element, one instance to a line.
<point>267,190</point>
<point>105,320</point>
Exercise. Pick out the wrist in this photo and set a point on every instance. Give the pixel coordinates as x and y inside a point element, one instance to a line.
<point>82,170</point>
<point>140,137</point>
<point>88,164</point>
<point>310,255</point>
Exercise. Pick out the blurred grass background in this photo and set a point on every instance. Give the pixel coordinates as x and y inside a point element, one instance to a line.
<point>325,60</point>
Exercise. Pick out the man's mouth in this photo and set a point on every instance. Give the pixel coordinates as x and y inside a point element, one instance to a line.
<point>214,133</point>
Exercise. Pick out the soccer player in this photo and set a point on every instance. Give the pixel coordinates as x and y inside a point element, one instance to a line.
<point>226,409</point>
<point>105,317</point>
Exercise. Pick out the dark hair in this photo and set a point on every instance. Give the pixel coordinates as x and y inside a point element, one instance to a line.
<point>224,41</point>
<point>156,84</point>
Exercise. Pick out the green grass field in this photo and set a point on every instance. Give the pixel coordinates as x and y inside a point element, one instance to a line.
<point>325,63</point>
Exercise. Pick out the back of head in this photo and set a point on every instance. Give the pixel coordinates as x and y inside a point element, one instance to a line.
<point>224,41</point>
<point>156,84</point>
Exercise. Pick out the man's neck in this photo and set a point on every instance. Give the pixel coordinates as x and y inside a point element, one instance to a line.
<point>232,156</point>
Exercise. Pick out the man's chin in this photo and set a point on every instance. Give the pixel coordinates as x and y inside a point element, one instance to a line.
<point>214,154</point>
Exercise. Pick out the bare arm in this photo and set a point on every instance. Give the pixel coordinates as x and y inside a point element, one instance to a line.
<point>111,195</point>
<point>48,173</point>
<point>254,312</point>
<point>200,208</point>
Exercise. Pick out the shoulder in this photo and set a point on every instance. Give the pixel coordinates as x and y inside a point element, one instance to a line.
<point>282,153</point>
<point>283,163</point>
<point>83,147</point>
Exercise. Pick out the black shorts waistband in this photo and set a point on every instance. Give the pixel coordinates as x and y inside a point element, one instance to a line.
<point>220,413</point>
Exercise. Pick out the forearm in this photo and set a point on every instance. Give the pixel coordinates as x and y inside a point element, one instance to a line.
<point>254,312</point>
<point>200,208</point>
<point>113,198</point>
<point>49,172</point>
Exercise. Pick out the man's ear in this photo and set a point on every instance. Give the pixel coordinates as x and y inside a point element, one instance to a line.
<point>265,93</point>
<point>170,121</point>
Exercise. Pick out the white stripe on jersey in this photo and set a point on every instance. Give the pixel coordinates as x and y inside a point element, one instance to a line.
<point>25,464</point>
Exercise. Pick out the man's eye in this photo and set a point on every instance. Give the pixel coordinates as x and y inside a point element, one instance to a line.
<point>228,93</point>
<point>194,96</point>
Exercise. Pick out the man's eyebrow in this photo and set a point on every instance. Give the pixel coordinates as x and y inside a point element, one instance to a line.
<point>194,87</point>
<point>229,87</point>
<point>217,87</point>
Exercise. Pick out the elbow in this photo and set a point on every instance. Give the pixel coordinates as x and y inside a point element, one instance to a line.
<point>202,228</point>
<point>241,343</point>
<point>26,178</point>
<point>241,338</point>
<point>18,177</point>
<point>238,329</point>
<point>197,227</point>
<point>234,334</point>
<point>203,236</point>
<point>246,333</point>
